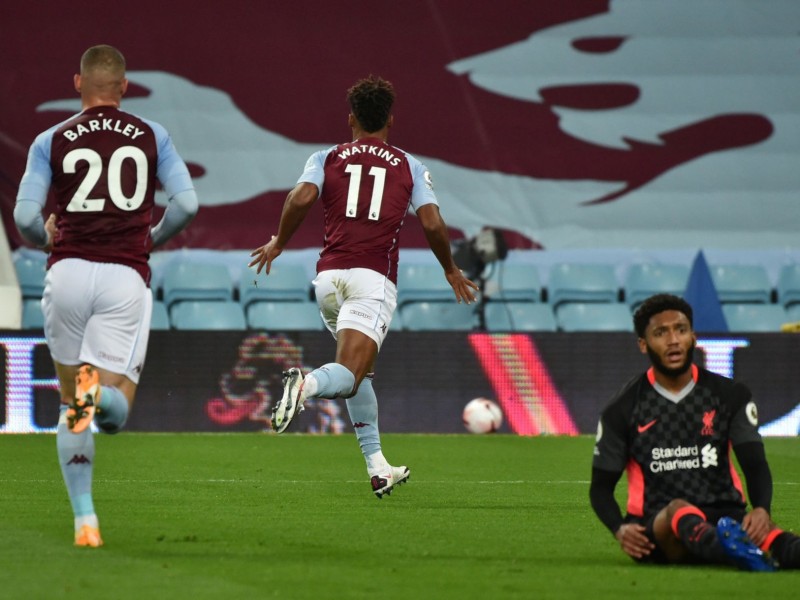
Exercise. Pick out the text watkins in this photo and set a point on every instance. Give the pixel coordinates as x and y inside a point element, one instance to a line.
<point>369,149</point>
<point>128,130</point>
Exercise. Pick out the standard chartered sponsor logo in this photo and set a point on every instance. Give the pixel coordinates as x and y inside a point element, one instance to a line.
<point>709,456</point>
<point>682,457</point>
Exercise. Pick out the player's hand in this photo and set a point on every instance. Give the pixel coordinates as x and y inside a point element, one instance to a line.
<point>461,286</point>
<point>265,254</point>
<point>633,541</point>
<point>757,524</point>
<point>51,230</point>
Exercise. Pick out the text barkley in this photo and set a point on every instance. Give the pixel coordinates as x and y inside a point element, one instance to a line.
<point>80,129</point>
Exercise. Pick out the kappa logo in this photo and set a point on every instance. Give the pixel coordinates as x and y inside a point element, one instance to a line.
<point>360,424</point>
<point>79,459</point>
<point>646,426</point>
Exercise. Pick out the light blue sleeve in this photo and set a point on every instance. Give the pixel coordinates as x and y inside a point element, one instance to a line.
<point>171,170</point>
<point>181,209</point>
<point>33,188</point>
<point>314,171</point>
<point>173,174</point>
<point>422,193</point>
<point>38,174</point>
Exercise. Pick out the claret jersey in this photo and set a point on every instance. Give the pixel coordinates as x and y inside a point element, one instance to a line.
<point>366,188</point>
<point>102,166</point>
<point>677,447</point>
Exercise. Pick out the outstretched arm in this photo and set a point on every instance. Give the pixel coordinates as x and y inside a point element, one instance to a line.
<point>298,203</point>
<point>436,234</point>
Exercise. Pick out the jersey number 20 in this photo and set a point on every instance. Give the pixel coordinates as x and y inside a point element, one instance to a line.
<point>82,203</point>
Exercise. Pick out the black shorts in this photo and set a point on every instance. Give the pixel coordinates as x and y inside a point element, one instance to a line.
<point>713,514</point>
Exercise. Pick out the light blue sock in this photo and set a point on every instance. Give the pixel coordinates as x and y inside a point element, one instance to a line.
<point>76,456</point>
<point>363,410</point>
<point>330,381</point>
<point>112,409</point>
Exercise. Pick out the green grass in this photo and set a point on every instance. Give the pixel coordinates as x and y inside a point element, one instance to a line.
<point>261,516</point>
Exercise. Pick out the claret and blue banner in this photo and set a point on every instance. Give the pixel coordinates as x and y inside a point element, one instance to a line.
<point>571,124</point>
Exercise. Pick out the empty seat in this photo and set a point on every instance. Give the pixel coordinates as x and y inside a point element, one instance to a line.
<point>515,281</point>
<point>789,285</point>
<point>519,316</point>
<point>397,322</point>
<point>754,317</point>
<point>646,279</point>
<point>422,282</point>
<point>205,314</point>
<point>593,316</point>
<point>32,317</point>
<point>582,283</point>
<point>438,316</point>
<point>286,282</point>
<point>283,316</point>
<point>741,283</point>
<point>31,271</point>
<point>196,281</point>
<point>159,320</point>
<point>793,312</point>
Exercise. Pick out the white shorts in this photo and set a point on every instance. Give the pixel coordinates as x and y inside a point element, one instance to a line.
<point>97,313</point>
<point>360,299</point>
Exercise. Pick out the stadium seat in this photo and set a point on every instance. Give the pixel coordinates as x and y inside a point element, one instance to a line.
<point>397,322</point>
<point>519,316</point>
<point>422,282</point>
<point>207,314</point>
<point>582,283</point>
<point>31,272</point>
<point>32,317</point>
<point>160,317</point>
<point>438,316</point>
<point>646,279</point>
<point>741,283</point>
<point>283,316</point>
<point>594,316</point>
<point>286,282</point>
<point>514,281</point>
<point>789,285</point>
<point>196,281</point>
<point>793,312</point>
<point>754,317</point>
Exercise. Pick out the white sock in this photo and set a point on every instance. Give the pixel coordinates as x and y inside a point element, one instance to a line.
<point>377,464</point>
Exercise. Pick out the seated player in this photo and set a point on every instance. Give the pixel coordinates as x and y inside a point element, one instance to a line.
<point>672,428</point>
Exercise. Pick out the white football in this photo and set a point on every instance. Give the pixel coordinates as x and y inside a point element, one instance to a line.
<point>482,416</point>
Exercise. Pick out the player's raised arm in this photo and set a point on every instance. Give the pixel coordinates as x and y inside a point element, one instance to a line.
<point>298,203</point>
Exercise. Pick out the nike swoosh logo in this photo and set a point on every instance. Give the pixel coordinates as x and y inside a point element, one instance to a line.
<point>646,426</point>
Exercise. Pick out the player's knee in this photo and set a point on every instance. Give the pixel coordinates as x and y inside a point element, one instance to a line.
<point>353,391</point>
<point>674,506</point>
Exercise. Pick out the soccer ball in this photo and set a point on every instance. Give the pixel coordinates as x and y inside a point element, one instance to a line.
<point>482,416</point>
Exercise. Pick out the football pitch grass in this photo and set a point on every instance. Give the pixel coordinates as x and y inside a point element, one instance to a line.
<point>261,516</point>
